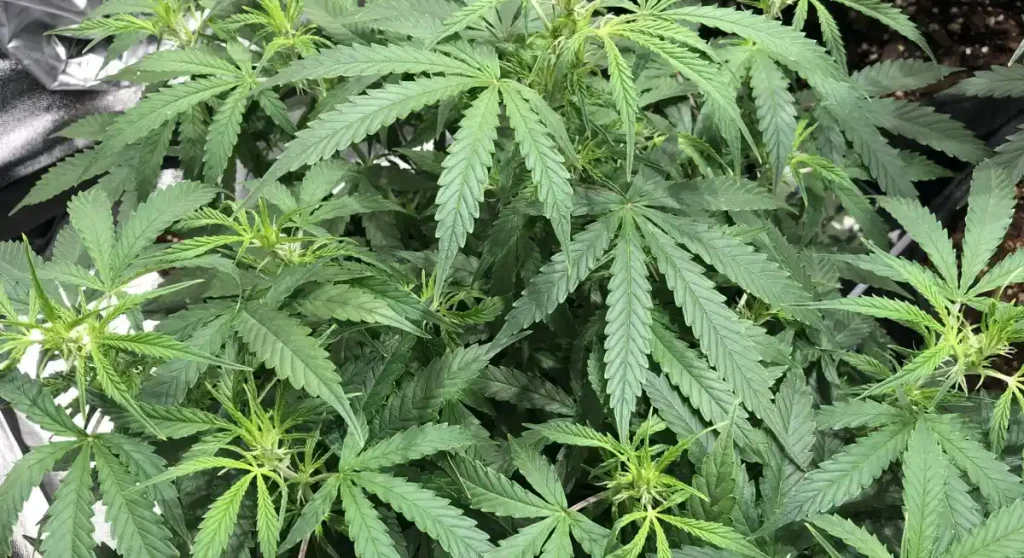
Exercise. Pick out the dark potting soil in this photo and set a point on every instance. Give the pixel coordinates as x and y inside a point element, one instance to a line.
<point>969,34</point>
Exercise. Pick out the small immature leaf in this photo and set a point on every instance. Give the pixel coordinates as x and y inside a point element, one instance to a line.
<point>151,343</point>
<point>623,89</point>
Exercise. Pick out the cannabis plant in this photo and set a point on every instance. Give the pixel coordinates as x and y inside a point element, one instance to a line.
<point>502,279</point>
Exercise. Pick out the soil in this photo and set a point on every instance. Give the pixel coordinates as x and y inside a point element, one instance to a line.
<point>970,34</point>
<point>1014,292</point>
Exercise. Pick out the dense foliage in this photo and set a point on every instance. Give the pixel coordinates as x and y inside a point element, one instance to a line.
<point>511,279</point>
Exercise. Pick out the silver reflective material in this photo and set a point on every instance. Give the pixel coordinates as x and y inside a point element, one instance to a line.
<point>23,28</point>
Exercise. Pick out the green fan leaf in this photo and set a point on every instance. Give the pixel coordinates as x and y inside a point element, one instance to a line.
<point>433,515</point>
<point>168,64</point>
<point>154,344</point>
<point>624,95</point>
<point>900,74</point>
<point>363,115</point>
<point>628,325</point>
<point>924,484</point>
<point>541,475</point>
<point>28,396</point>
<point>284,344</point>
<point>464,179</point>
<point>776,110</point>
<point>843,476</point>
<point>136,528</point>
<point>986,471</point>
<point>892,18</point>
<point>268,522</point>
<point>372,60</point>
<point>844,530</point>
<point>922,124</point>
<point>415,443</point>
<point>153,217</point>
<point>162,106</point>
<point>491,492</point>
<point>68,528</point>
<point>886,308</point>
<point>219,521</point>
<point>314,513</point>
<point>223,132</point>
<point>989,212</point>
<point>997,81</point>
<point>1002,534</point>
<point>90,215</point>
<point>858,413</point>
<point>926,230</point>
<point>527,542</point>
<point>349,303</point>
<point>560,277</point>
<point>796,400</point>
<point>464,17</point>
<point>21,480</point>
<point>534,392</point>
<point>546,164</point>
<point>368,532</point>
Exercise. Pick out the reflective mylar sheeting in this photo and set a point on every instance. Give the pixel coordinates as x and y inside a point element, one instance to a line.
<point>23,28</point>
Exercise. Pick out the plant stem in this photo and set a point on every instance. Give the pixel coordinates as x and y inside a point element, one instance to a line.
<point>584,503</point>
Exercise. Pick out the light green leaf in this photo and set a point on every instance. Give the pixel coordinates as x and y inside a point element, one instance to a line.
<point>464,179</point>
<point>464,17</point>
<point>715,533</point>
<point>887,308</point>
<point>858,413</point>
<point>573,434</point>
<point>349,303</point>
<point>527,542</point>
<point>433,515</point>
<point>168,64</point>
<point>154,344</point>
<point>1009,270</point>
